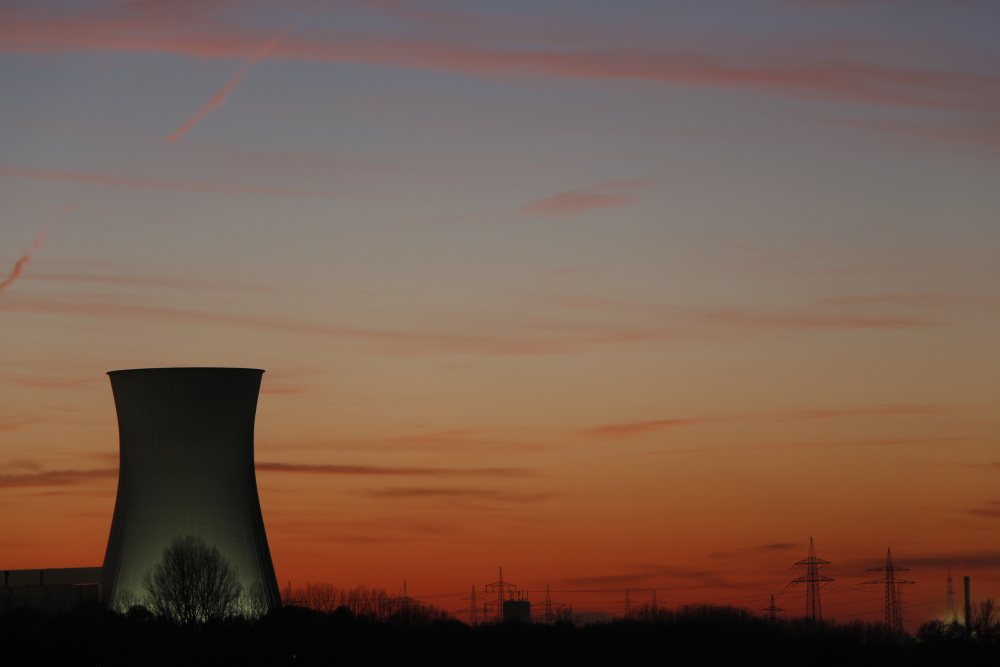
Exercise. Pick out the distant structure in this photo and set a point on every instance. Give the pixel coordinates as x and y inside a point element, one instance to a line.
<point>772,610</point>
<point>812,580</point>
<point>554,610</point>
<point>51,591</point>
<point>473,609</point>
<point>517,610</point>
<point>187,468</point>
<point>893,617</point>
<point>509,605</point>
<point>950,593</point>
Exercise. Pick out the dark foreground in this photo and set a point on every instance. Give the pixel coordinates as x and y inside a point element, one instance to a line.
<point>298,636</point>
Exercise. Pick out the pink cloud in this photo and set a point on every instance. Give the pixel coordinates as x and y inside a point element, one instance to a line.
<point>222,95</point>
<point>22,263</point>
<point>125,181</point>
<point>193,31</point>
<point>575,201</point>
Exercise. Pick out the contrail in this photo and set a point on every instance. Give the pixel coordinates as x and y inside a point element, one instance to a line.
<point>219,98</point>
<point>23,262</point>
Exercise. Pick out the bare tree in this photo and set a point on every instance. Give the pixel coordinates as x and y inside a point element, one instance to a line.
<point>986,620</point>
<point>193,583</point>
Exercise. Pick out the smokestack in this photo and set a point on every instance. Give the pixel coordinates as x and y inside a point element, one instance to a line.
<point>968,607</point>
<point>187,468</point>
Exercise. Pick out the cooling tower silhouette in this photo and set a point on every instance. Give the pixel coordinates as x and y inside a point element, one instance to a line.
<point>187,468</point>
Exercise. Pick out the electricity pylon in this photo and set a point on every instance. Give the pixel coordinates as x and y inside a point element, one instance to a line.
<point>473,610</point>
<point>951,599</point>
<point>501,587</point>
<point>772,611</point>
<point>893,619</point>
<point>812,580</point>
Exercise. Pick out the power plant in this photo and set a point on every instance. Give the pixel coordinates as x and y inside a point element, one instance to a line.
<point>187,469</point>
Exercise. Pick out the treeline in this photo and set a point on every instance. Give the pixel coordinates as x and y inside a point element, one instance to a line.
<point>294,635</point>
<point>374,604</point>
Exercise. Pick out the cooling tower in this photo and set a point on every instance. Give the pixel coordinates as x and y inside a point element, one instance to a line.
<point>187,468</point>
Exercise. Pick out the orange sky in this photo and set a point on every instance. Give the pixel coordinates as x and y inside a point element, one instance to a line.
<point>615,299</point>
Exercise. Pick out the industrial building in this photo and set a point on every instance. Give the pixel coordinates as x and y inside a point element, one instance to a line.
<point>187,469</point>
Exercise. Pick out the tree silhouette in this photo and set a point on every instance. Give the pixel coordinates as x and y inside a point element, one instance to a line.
<point>193,583</point>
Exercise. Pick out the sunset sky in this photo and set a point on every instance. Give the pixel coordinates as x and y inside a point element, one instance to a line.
<point>624,295</point>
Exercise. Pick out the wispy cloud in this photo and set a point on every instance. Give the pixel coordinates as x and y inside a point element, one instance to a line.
<point>647,576</point>
<point>934,301</point>
<point>537,339</point>
<point>10,422</point>
<point>39,381</point>
<point>977,559</point>
<point>692,320</point>
<point>55,477</point>
<point>371,470</point>
<point>572,202</point>
<point>575,201</point>
<point>33,477</point>
<point>871,442</point>
<point>222,95</point>
<point>984,133</point>
<point>187,186</point>
<point>640,428</point>
<point>990,511</point>
<point>764,548</point>
<point>22,263</point>
<point>458,439</point>
<point>458,494</point>
<point>151,281</point>
<point>759,67</point>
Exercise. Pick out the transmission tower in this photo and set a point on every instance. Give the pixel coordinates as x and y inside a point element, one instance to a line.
<point>951,599</point>
<point>893,619</point>
<point>812,580</point>
<point>473,609</point>
<point>772,611</point>
<point>503,589</point>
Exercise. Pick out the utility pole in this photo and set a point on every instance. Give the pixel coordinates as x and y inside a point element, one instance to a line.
<point>893,619</point>
<point>812,580</point>
<point>772,611</point>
